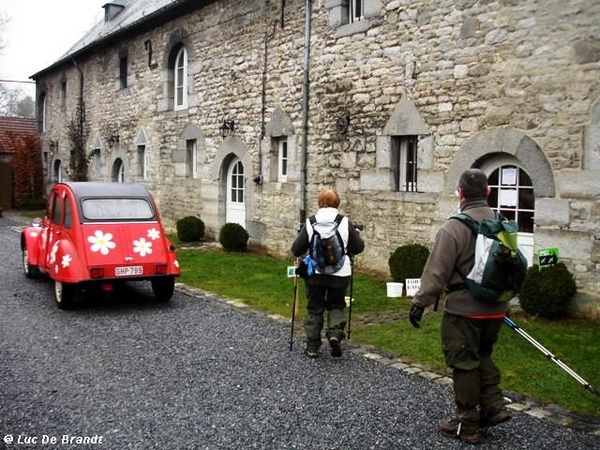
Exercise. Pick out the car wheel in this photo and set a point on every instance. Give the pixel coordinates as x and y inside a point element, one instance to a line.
<point>63,294</point>
<point>30,270</point>
<point>163,288</point>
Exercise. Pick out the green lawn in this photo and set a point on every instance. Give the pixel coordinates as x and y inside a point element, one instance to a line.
<point>381,321</point>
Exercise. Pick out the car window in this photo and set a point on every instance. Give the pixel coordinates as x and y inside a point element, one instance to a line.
<point>57,210</point>
<point>117,209</point>
<point>68,214</point>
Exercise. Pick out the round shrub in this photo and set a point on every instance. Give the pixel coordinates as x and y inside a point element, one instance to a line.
<point>234,238</point>
<point>408,261</point>
<point>548,292</point>
<point>190,229</point>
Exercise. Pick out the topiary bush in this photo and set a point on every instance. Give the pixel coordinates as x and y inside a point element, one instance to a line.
<point>190,229</point>
<point>547,293</point>
<point>234,238</point>
<point>408,261</point>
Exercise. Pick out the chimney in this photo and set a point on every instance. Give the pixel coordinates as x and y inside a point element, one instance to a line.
<point>112,9</point>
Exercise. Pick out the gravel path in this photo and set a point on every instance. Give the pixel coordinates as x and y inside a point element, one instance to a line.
<point>200,374</point>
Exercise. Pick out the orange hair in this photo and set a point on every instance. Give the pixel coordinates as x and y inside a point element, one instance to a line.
<point>329,198</point>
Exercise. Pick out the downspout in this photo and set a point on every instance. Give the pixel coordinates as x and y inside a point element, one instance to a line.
<point>305,96</point>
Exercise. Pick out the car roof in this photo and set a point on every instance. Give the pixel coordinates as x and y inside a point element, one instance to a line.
<point>87,189</point>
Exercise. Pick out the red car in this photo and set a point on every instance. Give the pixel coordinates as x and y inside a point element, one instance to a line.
<point>96,235</point>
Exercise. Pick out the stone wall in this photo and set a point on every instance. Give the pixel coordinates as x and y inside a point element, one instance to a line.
<point>473,78</point>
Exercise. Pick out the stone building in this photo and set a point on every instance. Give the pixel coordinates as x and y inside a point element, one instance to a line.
<point>241,111</point>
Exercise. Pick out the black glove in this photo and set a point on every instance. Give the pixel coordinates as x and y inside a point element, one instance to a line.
<point>415,314</point>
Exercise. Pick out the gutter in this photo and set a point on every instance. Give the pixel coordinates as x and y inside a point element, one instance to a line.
<point>305,98</point>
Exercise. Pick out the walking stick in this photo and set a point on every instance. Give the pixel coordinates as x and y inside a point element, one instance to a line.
<point>549,355</point>
<point>351,284</point>
<point>294,308</point>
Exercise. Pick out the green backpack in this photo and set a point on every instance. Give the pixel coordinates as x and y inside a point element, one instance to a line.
<point>499,266</point>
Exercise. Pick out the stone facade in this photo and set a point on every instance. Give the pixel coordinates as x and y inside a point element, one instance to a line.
<point>476,81</point>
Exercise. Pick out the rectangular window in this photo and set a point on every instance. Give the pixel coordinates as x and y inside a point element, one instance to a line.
<point>123,72</point>
<point>282,161</point>
<point>404,163</point>
<point>356,10</point>
<point>96,163</point>
<point>63,93</point>
<point>192,158</point>
<point>143,162</point>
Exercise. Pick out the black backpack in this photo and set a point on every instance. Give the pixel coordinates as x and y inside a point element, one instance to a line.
<point>326,248</point>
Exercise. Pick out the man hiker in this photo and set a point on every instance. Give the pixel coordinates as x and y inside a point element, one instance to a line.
<point>469,327</point>
<point>326,288</point>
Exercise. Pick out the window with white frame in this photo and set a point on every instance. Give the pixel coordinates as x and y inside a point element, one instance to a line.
<point>282,161</point>
<point>143,162</point>
<point>180,79</point>
<point>404,163</point>
<point>192,157</point>
<point>96,164</point>
<point>511,194</point>
<point>356,10</point>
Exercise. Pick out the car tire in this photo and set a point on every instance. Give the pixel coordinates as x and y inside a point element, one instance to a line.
<point>63,294</point>
<point>163,288</point>
<point>30,270</point>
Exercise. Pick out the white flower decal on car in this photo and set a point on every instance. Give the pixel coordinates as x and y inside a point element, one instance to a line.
<point>101,242</point>
<point>52,256</point>
<point>142,247</point>
<point>153,234</point>
<point>66,261</point>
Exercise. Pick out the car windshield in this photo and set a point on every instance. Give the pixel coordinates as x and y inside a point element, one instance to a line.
<point>117,209</point>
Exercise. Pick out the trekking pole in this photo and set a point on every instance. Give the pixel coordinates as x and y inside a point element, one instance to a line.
<point>294,308</point>
<point>549,355</point>
<point>351,285</point>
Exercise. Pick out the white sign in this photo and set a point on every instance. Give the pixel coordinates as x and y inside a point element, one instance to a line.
<point>509,176</point>
<point>291,271</point>
<point>508,197</point>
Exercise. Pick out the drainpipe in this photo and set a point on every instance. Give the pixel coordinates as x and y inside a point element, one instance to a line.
<point>305,96</point>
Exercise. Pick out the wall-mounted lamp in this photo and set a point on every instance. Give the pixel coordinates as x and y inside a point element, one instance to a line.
<point>113,140</point>
<point>227,128</point>
<point>53,146</point>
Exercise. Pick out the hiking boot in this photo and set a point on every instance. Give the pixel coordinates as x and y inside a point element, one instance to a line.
<point>336,348</point>
<point>454,428</point>
<point>493,416</point>
<point>311,352</point>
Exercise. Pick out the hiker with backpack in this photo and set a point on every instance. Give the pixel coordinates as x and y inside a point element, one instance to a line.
<point>331,240</point>
<point>469,326</point>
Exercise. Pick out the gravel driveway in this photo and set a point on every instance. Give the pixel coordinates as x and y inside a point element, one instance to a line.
<point>197,373</point>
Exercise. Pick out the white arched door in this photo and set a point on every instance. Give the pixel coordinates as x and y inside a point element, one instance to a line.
<point>236,194</point>
<point>512,195</point>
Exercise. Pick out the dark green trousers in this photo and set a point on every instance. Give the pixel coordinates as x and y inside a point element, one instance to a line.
<point>321,298</point>
<point>468,345</point>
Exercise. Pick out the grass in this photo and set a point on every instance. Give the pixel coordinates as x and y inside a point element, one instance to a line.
<point>261,282</point>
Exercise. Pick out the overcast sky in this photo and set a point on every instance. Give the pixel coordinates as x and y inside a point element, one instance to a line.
<point>39,32</point>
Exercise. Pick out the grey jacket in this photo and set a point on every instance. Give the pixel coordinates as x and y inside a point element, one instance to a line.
<point>454,247</point>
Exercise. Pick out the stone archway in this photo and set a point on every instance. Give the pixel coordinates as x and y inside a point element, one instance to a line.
<point>477,149</point>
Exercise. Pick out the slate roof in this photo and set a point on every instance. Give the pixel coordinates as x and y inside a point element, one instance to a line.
<point>139,15</point>
<point>11,127</point>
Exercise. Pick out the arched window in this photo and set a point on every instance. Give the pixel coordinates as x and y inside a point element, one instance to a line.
<point>118,171</point>
<point>512,195</point>
<point>180,79</point>
<point>57,171</point>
